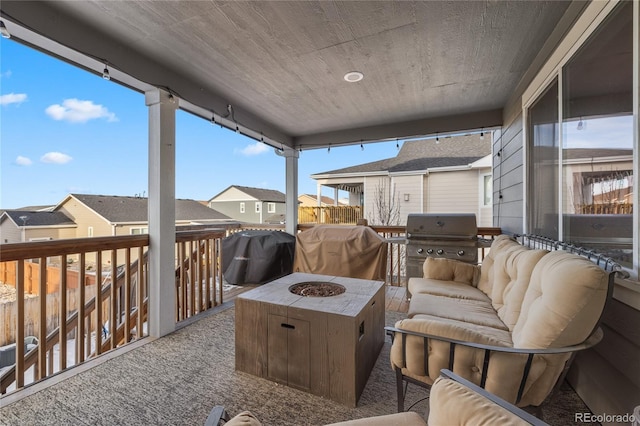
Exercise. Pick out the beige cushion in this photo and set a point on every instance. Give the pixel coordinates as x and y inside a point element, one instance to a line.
<point>452,403</point>
<point>512,272</point>
<point>563,303</point>
<point>409,418</point>
<point>472,311</point>
<point>500,244</point>
<point>446,288</point>
<point>468,362</point>
<point>243,419</point>
<point>451,270</point>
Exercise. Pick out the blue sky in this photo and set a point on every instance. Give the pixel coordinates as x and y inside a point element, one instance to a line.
<point>65,130</point>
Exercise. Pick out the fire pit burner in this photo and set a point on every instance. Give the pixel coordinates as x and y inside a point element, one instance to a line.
<point>317,289</point>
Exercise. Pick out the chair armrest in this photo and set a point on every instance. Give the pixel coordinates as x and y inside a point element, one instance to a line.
<point>216,414</point>
<point>400,359</point>
<point>592,340</point>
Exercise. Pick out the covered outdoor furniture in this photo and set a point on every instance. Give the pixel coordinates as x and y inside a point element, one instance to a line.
<point>340,250</point>
<point>257,256</point>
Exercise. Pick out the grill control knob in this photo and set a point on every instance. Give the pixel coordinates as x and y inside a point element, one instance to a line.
<point>460,252</point>
<point>440,252</point>
<point>420,250</point>
<point>429,251</point>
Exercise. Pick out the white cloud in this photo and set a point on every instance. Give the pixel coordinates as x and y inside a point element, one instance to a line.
<point>254,149</point>
<point>13,98</point>
<point>55,158</point>
<point>77,111</point>
<point>6,74</point>
<point>23,161</point>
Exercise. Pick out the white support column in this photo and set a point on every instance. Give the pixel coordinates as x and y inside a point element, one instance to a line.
<point>335,196</point>
<point>162,222</point>
<point>319,194</point>
<point>291,209</point>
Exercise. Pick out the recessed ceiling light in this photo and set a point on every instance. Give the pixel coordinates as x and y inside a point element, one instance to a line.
<point>353,76</point>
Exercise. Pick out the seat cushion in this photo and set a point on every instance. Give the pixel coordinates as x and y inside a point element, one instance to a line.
<point>244,418</point>
<point>452,403</point>
<point>408,418</point>
<point>468,361</point>
<point>445,288</point>
<point>469,332</point>
<point>471,311</point>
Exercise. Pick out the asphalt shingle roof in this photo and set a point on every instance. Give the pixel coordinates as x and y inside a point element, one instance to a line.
<point>119,209</point>
<point>38,218</point>
<point>259,193</point>
<point>427,153</point>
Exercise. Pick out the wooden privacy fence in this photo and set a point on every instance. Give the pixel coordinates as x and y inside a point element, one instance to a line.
<point>9,313</point>
<point>613,208</point>
<point>330,214</point>
<point>8,276</point>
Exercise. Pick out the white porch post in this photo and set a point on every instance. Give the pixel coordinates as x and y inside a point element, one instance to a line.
<point>162,222</point>
<point>335,196</point>
<point>291,209</point>
<point>319,194</point>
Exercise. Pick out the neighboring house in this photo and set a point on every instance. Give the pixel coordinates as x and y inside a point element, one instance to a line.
<point>443,175</point>
<point>250,205</point>
<point>103,215</point>
<point>32,225</point>
<point>310,200</point>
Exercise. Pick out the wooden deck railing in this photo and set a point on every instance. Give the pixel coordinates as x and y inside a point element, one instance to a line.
<point>103,316</point>
<point>77,319</point>
<point>330,214</point>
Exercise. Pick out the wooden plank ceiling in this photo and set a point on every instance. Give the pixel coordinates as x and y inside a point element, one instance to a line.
<point>429,66</point>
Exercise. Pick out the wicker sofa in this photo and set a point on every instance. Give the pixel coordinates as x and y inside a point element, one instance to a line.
<point>510,325</point>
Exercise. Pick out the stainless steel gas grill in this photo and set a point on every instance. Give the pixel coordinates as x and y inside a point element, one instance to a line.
<point>450,236</point>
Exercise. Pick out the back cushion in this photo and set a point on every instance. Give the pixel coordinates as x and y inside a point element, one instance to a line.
<point>563,302</point>
<point>501,243</point>
<point>512,274</point>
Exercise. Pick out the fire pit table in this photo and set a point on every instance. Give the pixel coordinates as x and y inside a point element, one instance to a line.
<point>317,333</point>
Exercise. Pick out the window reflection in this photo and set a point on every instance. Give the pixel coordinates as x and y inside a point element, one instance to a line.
<point>597,140</point>
<point>544,155</point>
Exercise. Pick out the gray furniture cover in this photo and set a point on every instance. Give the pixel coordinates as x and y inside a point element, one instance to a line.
<point>255,257</point>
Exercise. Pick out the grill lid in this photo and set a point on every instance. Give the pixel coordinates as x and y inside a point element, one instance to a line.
<point>442,226</point>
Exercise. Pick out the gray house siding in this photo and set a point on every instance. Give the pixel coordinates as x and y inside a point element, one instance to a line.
<point>606,377</point>
<point>232,209</point>
<point>280,209</point>
<point>508,166</point>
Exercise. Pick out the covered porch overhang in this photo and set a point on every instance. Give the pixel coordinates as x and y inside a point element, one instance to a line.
<point>273,71</point>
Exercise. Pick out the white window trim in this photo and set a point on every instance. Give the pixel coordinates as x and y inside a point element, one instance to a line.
<point>143,230</point>
<point>90,231</point>
<point>242,207</point>
<point>258,209</point>
<point>483,176</point>
<point>271,207</point>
